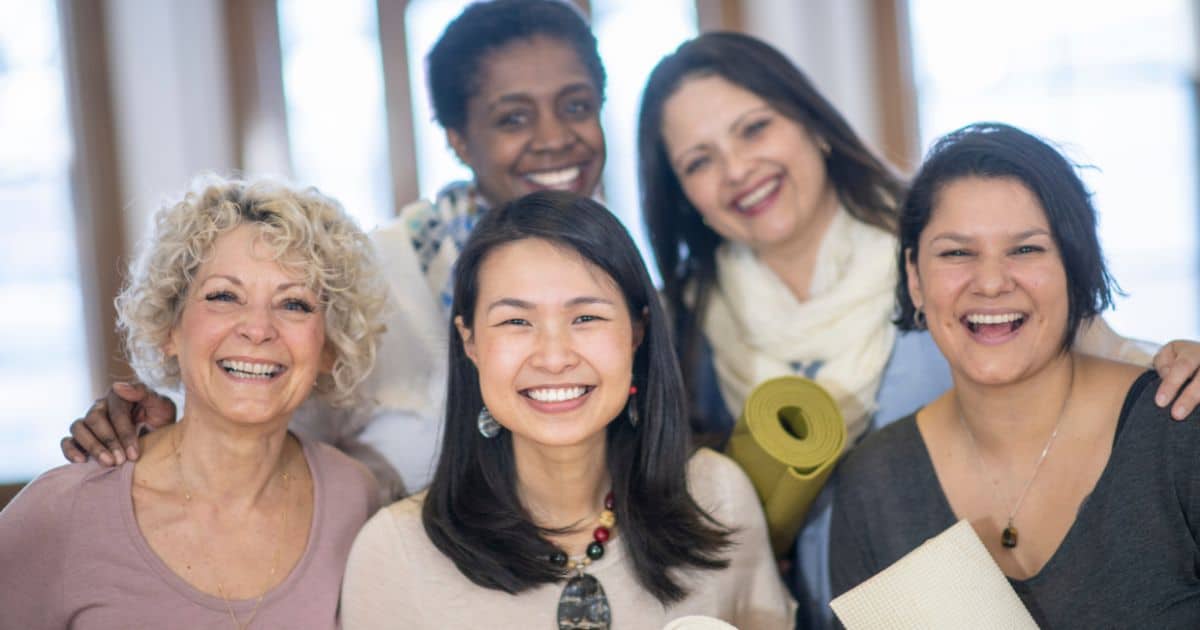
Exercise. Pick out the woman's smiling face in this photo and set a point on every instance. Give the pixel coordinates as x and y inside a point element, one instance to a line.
<point>533,122</point>
<point>553,342</point>
<point>990,280</point>
<point>755,175</point>
<point>250,339</point>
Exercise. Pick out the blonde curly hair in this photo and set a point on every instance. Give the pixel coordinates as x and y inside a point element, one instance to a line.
<point>308,233</point>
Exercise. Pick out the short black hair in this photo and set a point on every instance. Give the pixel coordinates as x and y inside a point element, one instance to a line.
<point>472,512</point>
<point>454,62</point>
<point>997,150</point>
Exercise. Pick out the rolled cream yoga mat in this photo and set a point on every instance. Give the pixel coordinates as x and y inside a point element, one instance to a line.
<point>788,441</point>
<point>950,581</point>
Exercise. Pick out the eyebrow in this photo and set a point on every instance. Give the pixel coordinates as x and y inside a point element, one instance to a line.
<point>525,97</point>
<point>524,305</point>
<point>963,238</point>
<point>281,287</point>
<point>737,122</point>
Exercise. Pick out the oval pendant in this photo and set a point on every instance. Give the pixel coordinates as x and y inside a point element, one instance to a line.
<point>583,605</point>
<point>1009,537</point>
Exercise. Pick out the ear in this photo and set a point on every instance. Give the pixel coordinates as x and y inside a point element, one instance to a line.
<point>914,280</point>
<point>328,358</point>
<point>458,142</point>
<point>639,328</point>
<point>170,348</point>
<point>468,339</point>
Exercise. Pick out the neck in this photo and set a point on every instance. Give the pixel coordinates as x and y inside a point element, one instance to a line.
<point>227,464</point>
<point>795,260</point>
<point>562,486</point>
<point>1020,416</point>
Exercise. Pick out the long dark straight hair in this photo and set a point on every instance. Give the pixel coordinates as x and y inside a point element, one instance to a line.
<point>684,247</point>
<point>472,512</point>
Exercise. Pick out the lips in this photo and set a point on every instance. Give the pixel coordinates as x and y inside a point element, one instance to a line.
<point>993,327</point>
<point>758,198</point>
<point>560,179</point>
<point>252,370</point>
<point>557,394</point>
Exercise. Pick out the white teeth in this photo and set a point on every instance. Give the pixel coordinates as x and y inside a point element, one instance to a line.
<point>556,394</point>
<point>561,179</point>
<point>752,198</point>
<point>247,369</point>
<point>979,318</point>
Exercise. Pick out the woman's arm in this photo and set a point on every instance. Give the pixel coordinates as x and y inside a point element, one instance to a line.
<point>33,541</point>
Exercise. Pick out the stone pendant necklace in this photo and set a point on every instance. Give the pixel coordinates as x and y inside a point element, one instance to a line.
<point>583,604</point>
<point>1009,538</point>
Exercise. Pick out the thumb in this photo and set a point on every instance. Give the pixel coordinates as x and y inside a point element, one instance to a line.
<point>157,411</point>
<point>130,392</point>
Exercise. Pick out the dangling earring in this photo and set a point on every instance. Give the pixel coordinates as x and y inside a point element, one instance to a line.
<point>488,427</point>
<point>631,407</point>
<point>919,320</point>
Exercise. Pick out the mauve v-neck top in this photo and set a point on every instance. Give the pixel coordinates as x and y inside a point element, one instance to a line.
<point>72,555</point>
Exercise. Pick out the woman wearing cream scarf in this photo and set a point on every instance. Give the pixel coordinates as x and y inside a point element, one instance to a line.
<point>772,225</point>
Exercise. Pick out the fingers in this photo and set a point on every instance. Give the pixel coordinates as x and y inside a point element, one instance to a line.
<point>85,440</point>
<point>1187,400</point>
<point>1177,367</point>
<point>121,421</point>
<point>72,451</point>
<point>99,427</point>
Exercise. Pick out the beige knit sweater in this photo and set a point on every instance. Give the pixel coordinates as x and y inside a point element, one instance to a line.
<point>396,578</point>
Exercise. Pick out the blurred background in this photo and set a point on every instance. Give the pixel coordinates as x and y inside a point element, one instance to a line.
<point>109,106</point>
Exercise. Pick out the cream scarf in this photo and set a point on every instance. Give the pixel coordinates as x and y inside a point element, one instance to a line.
<point>840,337</point>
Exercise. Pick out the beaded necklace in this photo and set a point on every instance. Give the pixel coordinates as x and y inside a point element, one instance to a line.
<point>583,604</point>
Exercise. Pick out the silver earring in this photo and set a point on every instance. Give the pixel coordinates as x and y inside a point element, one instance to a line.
<point>488,427</point>
<point>919,320</point>
<point>631,408</point>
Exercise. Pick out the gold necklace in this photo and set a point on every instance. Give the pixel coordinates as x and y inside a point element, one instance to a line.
<point>187,495</point>
<point>1008,538</point>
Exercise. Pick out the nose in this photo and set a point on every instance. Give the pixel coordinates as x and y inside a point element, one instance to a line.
<point>550,133</point>
<point>738,165</point>
<point>257,326</point>
<point>555,351</point>
<point>992,276</point>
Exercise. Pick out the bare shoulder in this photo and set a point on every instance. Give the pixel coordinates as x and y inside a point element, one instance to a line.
<point>1106,379</point>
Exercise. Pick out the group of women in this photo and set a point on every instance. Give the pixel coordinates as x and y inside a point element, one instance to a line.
<point>567,490</point>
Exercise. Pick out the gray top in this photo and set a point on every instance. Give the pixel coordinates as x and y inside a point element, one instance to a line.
<point>1130,560</point>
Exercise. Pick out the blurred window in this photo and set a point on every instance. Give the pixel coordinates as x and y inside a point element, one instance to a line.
<point>1110,82</point>
<point>333,86</point>
<point>44,377</point>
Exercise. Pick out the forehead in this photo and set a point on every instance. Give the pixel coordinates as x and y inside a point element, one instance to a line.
<point>245,250</point>
<point>704,106</point>
<point>985,205</point>
<point>533,67</point>
<point>542,272</point>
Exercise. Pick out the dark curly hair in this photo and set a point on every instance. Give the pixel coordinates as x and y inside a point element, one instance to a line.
<point>454,63</point>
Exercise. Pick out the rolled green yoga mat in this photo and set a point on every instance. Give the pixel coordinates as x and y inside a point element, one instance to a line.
<point>788,440</point>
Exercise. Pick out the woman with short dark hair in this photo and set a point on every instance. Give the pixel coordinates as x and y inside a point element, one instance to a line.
<point>1079,485</point>
<point>773,225</point>
<point>567,491</point>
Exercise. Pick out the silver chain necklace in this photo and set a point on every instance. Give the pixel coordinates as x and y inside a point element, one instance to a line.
<point>1008,538</point>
